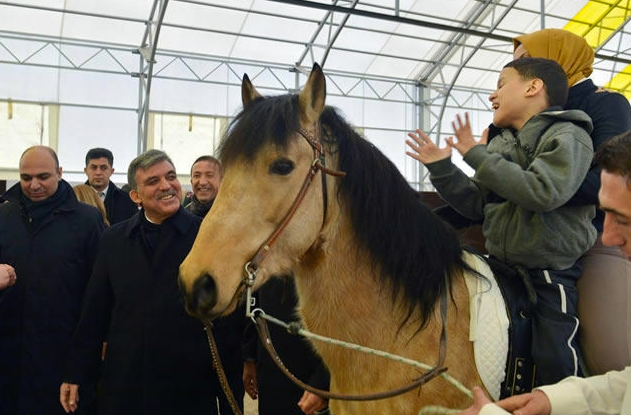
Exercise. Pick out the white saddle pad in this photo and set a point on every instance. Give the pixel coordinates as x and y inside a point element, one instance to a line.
<point>489,325</point>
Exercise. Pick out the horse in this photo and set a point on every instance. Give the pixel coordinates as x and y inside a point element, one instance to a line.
<point>371,262</point>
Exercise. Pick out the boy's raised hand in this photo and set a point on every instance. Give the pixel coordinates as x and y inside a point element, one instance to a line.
<point>463,133</point>
<point>425,150</point>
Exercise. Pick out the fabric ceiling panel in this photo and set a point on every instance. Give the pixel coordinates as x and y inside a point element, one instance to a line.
<point>131,9</point>
<point>24,20</point>
<point>101,30</point>
<point>277,27</point>
<point>360,40</point>
<point>217,19</point>
<point>30,83</point>
<point>201,43</point>
<point>260,50</point>
<point>390,66</point>
<point>347,61</point>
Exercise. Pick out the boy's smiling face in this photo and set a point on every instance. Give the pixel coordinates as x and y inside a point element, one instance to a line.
<point>508,100</point>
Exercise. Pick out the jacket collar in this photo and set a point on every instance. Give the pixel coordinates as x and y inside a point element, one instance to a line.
<point>180,221</point>
<point>111,185</point>
<point>582,88</point>
<point>70,203</point>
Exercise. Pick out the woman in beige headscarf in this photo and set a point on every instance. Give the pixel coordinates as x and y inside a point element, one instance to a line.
<point>570,51</point>
<point>605,284</point>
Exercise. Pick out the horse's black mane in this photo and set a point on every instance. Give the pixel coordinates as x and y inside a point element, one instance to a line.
<point>416,252</point>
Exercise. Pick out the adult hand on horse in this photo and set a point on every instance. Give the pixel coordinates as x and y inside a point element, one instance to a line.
<point>249,379</point>
<point>534,403</point>
<point>463,133</point>
<point>309,403</point>
<point>69,396</point>
<point>479,400</point>
<point>424,148</point>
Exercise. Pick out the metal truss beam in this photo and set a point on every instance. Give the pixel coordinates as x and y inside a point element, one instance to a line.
<point>147,53</point>
<point>118,62</point>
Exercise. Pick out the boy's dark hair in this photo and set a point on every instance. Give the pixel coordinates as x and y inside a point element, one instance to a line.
<point>549,71</point>
<point>97,153</point>
<point>614,155</point>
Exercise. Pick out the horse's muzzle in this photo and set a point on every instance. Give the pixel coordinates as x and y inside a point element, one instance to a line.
<point>201,299</point>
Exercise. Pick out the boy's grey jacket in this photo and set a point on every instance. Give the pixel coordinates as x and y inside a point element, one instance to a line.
<point>521,184</point>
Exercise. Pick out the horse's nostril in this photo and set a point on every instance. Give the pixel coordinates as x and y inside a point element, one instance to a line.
<point>204,295</point>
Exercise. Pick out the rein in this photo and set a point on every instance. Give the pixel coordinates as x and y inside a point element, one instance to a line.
<point>221,374</point>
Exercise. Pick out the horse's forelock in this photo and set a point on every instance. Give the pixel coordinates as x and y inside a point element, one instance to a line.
<point>264,119</point>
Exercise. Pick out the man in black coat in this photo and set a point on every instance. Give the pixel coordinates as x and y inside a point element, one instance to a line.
<point>99,167</point>
<point>50,240</point>
<point>157,360</point>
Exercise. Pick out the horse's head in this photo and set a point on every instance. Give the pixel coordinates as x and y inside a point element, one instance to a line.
<point>267,154</point>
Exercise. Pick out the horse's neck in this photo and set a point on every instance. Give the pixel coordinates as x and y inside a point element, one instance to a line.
<point>342,296</point>
<point>340,291</point>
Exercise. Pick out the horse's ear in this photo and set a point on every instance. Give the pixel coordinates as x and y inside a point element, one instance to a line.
<point>248,92</point>
<point>312,96</point>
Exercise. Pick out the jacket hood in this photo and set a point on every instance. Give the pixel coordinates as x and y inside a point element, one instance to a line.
<point>577,117</point>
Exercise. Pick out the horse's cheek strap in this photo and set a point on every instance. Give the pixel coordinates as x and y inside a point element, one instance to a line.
<point>317,164</point>
<point>267,245</point>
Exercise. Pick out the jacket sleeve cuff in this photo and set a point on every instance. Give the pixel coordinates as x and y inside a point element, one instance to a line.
<point>492,409</point>
<point>476,155</point>
<point>441,167</point>
<point>564,396</point>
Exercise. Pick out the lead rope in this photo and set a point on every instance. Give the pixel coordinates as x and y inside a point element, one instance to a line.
<point>269,346</point>
<point>296,329</point>
<point>219,370</point>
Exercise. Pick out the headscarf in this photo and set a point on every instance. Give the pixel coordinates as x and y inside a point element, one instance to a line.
<point>570,51</point>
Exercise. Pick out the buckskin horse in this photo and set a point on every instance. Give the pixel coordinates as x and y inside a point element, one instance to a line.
<point>304,195</point>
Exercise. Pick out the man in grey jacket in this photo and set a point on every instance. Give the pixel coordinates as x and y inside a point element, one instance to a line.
<point>523,179</point>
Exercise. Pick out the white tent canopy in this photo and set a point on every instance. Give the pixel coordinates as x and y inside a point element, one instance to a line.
<point>72,74</point>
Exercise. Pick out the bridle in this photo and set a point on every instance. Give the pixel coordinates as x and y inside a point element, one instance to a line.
<point>318,164</point>
<point>251,268</point>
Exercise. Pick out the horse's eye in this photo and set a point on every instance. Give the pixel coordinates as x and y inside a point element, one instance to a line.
<point>282,167</point>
